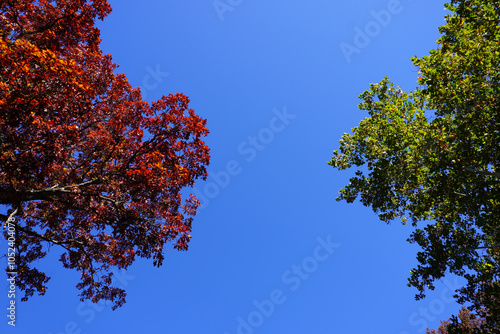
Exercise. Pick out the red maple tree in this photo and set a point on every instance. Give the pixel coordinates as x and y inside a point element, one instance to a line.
<point>85,163</point>
<point>465,323</point>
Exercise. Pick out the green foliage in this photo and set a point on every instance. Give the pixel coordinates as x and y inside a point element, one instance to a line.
<point>431,156</point>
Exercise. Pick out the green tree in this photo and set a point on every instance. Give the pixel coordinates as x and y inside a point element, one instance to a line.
<point>430,157</point>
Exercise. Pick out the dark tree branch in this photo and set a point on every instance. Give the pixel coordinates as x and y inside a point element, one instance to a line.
<point>482,172</point>
<point>10,217</point>
<point>16,196</point>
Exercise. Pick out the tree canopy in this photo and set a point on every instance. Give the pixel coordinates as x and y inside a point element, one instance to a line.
<point>465,323</point>
<point>430,156</point>
<point>85,163</point>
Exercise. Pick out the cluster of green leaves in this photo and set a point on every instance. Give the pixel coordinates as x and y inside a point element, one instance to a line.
<point>431,156</point>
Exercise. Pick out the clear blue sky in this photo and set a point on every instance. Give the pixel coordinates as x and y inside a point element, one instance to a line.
<point>272,251</point>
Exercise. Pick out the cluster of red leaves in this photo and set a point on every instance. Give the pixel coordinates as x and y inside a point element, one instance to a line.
<point>85,163</point>
<point>465,323</point>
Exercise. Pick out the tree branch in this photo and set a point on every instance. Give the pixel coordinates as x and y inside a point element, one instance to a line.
<point>17,196</point>
<point>10,217</point>
<point>482,172</point>
<point>55,242</point>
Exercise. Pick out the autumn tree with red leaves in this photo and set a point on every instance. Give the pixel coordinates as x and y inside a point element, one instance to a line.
<point>85,163</point>
<point>465,323</point>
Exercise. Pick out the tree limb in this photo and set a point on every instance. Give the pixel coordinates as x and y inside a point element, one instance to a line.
<point>10,217</point>
<point>482,172</point>
<point>16,196</point>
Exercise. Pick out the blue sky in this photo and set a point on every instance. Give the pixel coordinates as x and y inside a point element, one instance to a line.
<point>272,251</point>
